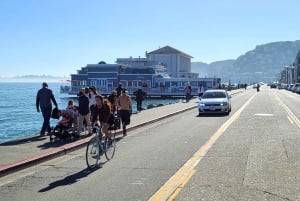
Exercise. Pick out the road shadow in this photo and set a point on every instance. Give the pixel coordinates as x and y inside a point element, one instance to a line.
<point>119,138</point>
<point>212,115</point>
<point>24,141</point>
<point>71,179</point>
<point>56,143</point>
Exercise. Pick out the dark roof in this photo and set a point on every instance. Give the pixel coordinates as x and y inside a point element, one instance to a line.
<point>168,50</point>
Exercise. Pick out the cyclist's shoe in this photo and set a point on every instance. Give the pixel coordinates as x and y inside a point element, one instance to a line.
<point>110,143</point>
<point>95,155</point>
<point>101,152</point>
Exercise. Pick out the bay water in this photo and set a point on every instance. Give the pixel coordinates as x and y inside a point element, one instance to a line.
<point>18,115</point>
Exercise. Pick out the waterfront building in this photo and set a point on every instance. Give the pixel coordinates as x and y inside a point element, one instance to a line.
<point>163,72</point>
<point>177,63</point>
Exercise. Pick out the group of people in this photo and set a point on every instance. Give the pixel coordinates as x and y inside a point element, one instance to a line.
<point>188,91</point>
<point>91,109</point>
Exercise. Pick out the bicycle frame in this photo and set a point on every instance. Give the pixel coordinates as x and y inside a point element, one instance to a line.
<point>95,147</point>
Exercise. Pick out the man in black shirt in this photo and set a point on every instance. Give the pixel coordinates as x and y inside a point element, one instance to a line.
<point>43,103</point>
<point>119,90</point>
<point>140,95</point>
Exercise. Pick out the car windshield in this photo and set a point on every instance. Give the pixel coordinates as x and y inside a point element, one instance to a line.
<point>214,94</point>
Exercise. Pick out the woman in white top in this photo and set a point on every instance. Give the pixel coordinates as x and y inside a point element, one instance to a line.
<point>200,90</point>
<point>92,94</point>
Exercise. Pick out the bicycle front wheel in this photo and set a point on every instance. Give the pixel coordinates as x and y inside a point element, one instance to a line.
<point>93,153</point>
<point>110,145</point>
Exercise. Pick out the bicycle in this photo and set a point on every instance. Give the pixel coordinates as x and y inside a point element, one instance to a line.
<point>95,149</point>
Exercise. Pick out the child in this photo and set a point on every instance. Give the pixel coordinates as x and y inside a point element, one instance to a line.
<point>71,106</point>
<point>64,122</point>
<point>73,111</point>
<point>61,128</point>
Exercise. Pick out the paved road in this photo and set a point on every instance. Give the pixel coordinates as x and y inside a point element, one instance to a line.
<point>257,157</point>
<point>253,154</point>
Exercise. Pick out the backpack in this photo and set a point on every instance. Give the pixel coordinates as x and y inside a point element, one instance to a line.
<point>55,113</point>
<point>114,123</point>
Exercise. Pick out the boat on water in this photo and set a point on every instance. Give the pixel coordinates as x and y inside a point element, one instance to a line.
<point>65,86</point>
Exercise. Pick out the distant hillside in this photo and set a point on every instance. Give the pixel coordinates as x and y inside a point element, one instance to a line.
<point>34,78</point>
<point>201,68</point>
<point>216,68</point>
<point>264,63</point>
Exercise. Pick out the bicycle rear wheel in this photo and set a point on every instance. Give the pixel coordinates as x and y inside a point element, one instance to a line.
<point>110,145</point>
<point>93,153</point>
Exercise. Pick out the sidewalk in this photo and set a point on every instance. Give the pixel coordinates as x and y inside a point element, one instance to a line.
<point>26,152</point>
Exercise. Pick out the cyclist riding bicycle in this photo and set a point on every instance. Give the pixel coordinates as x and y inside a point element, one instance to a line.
<point>102,113</point>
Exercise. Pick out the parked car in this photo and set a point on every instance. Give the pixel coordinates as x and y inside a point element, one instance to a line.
<point>296,88</point>
<point>282,86</point>
<point>290,87</point>
<point>215,101</point>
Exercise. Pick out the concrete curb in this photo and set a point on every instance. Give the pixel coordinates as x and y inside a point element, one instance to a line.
<point>7,169</point>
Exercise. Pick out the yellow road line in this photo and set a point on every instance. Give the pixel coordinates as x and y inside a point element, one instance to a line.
<point>291,115</point>
<point>288,117</point>
<point>178,189</point>
<point>173,186</point>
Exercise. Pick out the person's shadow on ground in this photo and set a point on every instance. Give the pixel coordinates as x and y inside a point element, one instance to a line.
<point>56,143</point>
<point>74,177</point>
<point>23,141</point>
<point>71,179</point>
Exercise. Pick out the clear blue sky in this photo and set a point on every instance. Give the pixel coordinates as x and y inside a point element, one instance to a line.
<point>58,37</point>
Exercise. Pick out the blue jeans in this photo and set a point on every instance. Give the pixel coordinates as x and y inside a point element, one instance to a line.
<point>46,111</point>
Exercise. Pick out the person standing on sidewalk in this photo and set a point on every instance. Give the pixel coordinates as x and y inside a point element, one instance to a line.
<point>43,103</point>
<point>119,90</point>
<point>84,111</point>
<point>125,109</point>
<point>139,97</point>
<point>200,90</point>
<point>112,98</point>
<point>92,94</point>
<point>188,91</point>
